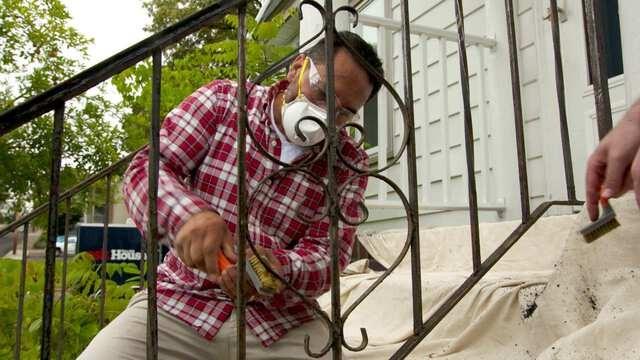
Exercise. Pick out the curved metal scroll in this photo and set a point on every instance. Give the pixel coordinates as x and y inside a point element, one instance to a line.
<point>396,263</point>
<point>319,152</point>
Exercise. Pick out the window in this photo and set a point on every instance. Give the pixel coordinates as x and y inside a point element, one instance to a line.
<point>609,21</point>
<point>370,119</point>
<point>370,111</point>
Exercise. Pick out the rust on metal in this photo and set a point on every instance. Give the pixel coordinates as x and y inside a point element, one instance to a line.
<point>23,275</point>
<point>598,65</point>
<point>412,219</point>
<point>562,107</point>
<point>242,185</point>
<point>517,111</point>
<point>152,233</point>
<point>105,250</point>
<point>468,138</point>
<point>50,254</point>
<point>332,187</point>
<point>63,285</point>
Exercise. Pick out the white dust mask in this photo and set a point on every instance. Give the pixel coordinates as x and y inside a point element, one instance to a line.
<point>310,132</point>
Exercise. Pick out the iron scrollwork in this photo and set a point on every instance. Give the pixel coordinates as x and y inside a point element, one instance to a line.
<point>320,152</point>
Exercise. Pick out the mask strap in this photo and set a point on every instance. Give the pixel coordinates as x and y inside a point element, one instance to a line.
<point>300,77</point>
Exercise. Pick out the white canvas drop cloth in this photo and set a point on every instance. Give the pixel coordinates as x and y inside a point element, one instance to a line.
<point>552,296</point>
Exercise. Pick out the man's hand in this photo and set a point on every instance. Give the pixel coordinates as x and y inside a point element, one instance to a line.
<point>229,276</point>
<point>614,167</point>
<point>199,241</point>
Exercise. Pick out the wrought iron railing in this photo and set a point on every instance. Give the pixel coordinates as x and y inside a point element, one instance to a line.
<point>55,98</point>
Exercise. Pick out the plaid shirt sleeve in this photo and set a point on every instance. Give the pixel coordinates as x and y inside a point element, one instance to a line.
<point>308,265</point>
<point>184,141</point>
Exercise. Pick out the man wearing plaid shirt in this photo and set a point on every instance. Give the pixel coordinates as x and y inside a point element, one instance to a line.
<point>197,216</point>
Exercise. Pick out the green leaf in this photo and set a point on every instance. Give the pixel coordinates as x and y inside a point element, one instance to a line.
<point>35,325</point>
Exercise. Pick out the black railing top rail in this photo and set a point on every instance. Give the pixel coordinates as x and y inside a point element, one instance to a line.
<point>69,193</point>
<point>85,80</point>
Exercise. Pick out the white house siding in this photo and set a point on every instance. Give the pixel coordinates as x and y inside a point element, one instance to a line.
<point>440,134</point>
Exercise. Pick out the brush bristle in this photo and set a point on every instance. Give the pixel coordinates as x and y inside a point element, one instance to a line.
<point>602,226</point>
<point>602,230</point>
<point>262,280</point>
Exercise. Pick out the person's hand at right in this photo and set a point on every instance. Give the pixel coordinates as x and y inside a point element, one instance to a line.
<point>199,241</point>
<point>614,167</point>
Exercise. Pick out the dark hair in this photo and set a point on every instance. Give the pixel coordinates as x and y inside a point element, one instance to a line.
<point>362,47</point>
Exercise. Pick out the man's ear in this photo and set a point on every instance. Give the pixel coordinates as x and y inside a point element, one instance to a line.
<point>295,68</point>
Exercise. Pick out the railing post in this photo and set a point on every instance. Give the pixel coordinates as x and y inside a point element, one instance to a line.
<point>413,220</point>
<point>23,275</point>
<point>598,66</point>
<point>517,111</point>
<point>61,338</point>
<point>332,139</point>
<point>468,137</point>
<point>105,251</point>
<point>50,255</point>
<point>242,184</point>
<point>562,107</point>
<point>152,234</point>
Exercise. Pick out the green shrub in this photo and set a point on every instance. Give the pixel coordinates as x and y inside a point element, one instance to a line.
<point>81,320</point>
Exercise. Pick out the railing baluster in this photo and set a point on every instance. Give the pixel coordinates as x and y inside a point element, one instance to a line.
<point>517,111</point>
<point>50,255</point>
<point>444,121</point>
<point>61,339</point>
<point>105,251</point>
<point>23,275</point>
<point>562,107</point>
<point>242,188</point>
<point>598,66</point>
<point>413,220</point>
<point>469,140</point>
<point>152,234</point>
<point>332,139</point>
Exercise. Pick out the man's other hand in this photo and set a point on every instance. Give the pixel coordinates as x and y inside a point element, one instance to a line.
<point>614,167</point>
<point>199,241</point>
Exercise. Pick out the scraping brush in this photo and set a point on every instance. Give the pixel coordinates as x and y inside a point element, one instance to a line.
<point>265,283</point>
<point>605,223</point>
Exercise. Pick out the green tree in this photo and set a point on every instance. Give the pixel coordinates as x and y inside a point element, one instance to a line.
<point>167,12</point>
<point>200,59</point>
<point>38,49</point>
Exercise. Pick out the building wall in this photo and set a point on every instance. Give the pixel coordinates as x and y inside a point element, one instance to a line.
<point>439,131</point>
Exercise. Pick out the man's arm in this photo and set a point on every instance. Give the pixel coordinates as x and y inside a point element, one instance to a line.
<point>189,223</point>
<point>614,167</point>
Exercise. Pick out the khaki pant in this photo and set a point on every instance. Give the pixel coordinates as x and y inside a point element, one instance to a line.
<point>125,338</point>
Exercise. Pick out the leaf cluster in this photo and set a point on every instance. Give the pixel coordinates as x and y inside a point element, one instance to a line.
<point>81,319</point>
<point>186,71</point>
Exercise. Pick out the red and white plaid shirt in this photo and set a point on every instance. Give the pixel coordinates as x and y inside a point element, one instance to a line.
<point>198,172</point>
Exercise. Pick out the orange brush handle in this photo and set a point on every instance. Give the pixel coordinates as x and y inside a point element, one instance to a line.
<point>223,262</point>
